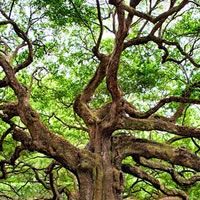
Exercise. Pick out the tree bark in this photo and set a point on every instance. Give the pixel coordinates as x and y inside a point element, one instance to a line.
<point>104,181</point>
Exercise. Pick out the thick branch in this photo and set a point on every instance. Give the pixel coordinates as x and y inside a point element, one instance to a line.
<point>112,69</point>
<point>160,125</point>
<point>81,103</point>
<point>57,148</point>
<point>42,139</point>
<point>125,146</point>
<point>19,90</point>
<point>51,150</point>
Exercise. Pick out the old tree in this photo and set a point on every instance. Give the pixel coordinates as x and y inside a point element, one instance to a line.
<point>99,100</point>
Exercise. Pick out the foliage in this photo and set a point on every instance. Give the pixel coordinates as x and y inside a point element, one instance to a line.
<point>63,35</point>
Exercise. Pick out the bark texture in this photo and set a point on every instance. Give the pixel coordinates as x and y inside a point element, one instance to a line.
<point>99,168</point>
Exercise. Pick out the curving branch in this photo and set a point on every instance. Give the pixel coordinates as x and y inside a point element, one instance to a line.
<point>25,41</point>
<point>164,101</point>
<point>112,69</point>
<point>124,146</point>
<point>81,103</point>
<point>41,138</point>
<point>4,135</point>
<point>158,124</point>
<point>177,178</point>
<point>53,186</point>
<point>11,161</point>
<point>19,90</point>
<point>53,146</point>
<point>99,164</point>
<point>139,173</point>
<point>152,19</point>
<point>160,41</point>
<point>20,33</point>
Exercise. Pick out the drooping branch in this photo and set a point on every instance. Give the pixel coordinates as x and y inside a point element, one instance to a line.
<point>179,179</point>
<point>182,108</point>
<point>82,128</point>
<point>47,181</point>
<point>54,189</point>
<point>4,135</point>
<point>138,172</point>
<point>160,42</point>
<point>186,55</point>
<point>11,161</point>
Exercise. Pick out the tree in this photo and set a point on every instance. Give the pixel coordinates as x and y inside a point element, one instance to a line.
<point>140,108</point>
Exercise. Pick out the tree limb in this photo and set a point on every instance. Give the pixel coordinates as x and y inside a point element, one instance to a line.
<point>124,146</point>
<point>138,172</point>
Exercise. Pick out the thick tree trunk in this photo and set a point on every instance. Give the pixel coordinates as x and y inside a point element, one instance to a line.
<point>104,181</point>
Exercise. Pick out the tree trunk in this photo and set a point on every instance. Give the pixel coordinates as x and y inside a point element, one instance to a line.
<point>104,181</point>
